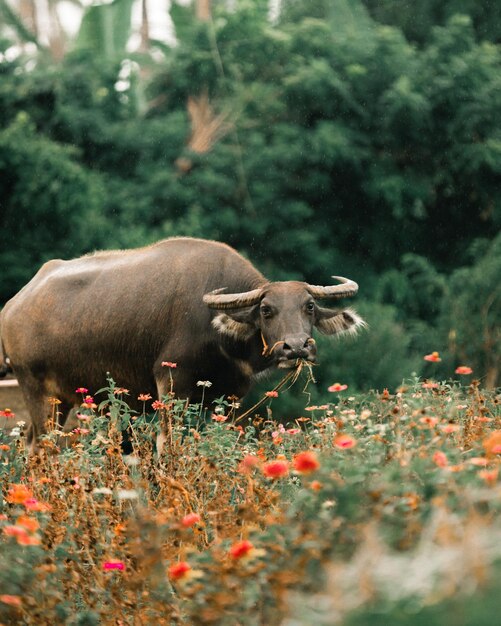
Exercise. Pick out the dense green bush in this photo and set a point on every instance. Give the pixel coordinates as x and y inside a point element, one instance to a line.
<point>344,149</point>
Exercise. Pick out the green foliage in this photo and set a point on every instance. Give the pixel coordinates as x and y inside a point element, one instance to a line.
<point>347,150</point>
<point>371,506</point>
<point>471,314</point>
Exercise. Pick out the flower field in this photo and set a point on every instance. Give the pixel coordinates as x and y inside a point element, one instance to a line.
<point>381,508</point>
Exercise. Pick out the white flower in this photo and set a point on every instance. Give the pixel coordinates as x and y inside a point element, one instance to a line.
<point>131,460</point>
<point>21,424</point>
<point>102,490</point>
<point>204,383</point>
<point>127,494</point>
<point>15,432</point>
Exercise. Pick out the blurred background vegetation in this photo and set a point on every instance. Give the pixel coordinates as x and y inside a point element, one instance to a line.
<point>360,138</point>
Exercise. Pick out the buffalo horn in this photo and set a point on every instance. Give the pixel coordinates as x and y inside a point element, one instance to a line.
<point>346,289</point>
<point>217,300</point>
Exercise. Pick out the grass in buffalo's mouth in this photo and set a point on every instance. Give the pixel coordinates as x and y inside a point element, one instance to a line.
<point>365,505</point>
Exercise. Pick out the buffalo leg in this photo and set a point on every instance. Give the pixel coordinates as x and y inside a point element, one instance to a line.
<point>36,403</point>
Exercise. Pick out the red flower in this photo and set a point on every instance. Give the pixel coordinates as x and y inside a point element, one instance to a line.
<point>276,469</point>
<point>169,364</point>
<point>337,387</point>
<point>464,369</point>
<point>344,442</point>
<point>109,565</point>
<point>7,413</point>
<point>434,357</point>
<point>306,462</point>
<point>81,390</point>
<point>271,394</point>
<point>180,570</point>
<point>190,520</point>
<point>241,549</point>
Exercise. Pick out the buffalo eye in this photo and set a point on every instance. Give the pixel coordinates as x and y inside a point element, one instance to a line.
<point>310,307</point>
<point>266,310</point>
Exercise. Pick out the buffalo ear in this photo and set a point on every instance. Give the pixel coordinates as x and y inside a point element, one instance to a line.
<point>335,322</point>
<point>237,324</point>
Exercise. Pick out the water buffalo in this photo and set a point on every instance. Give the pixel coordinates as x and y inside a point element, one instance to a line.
<point>193,302</point>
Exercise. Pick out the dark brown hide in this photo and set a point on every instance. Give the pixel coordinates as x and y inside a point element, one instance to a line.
<point>125,312</point>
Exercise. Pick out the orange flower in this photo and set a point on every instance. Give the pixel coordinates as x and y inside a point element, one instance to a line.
<point>271,394</point>
<point>30,523</point>
<point>440,459</point>
<point>276,469</point>
<point>248,463</point>
<point>306,462</point>
<point>337,387</point>
<point>429,421</point>
<point>18,494</point>
<point>157,405</point>
<point>180,570</point>
<point>490,476</point>
<point>492,444</point>
<point>4,447</point>
<point>190,520</point>
<point>315,485</point>
<point>344,441</point>
<point>241,549</point>
<point>449,428</point>
<point>430,384</point>
<point>464,369</point>
<point>7,413</point>
<point>144,397</point>
<point>434,357</point>
<point>11,600</point>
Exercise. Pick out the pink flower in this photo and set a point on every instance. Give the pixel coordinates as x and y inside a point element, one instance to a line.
<point>440,459</point>
<point>464,369</point>
<point>429,421</point>
<point>248,463</point>
<point>449,428</point>
<point>434,357</point>
<point>344,442</point>
<point>109,565</point>
<point>81,390</point>
<point>80,431</point>
<point>293,431</point>
<point>88,400</point>
<point>337,387</point>
<point>11,600</point>
<point>271,394</point>
<point>169,364</point>
<point>430,384</point>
